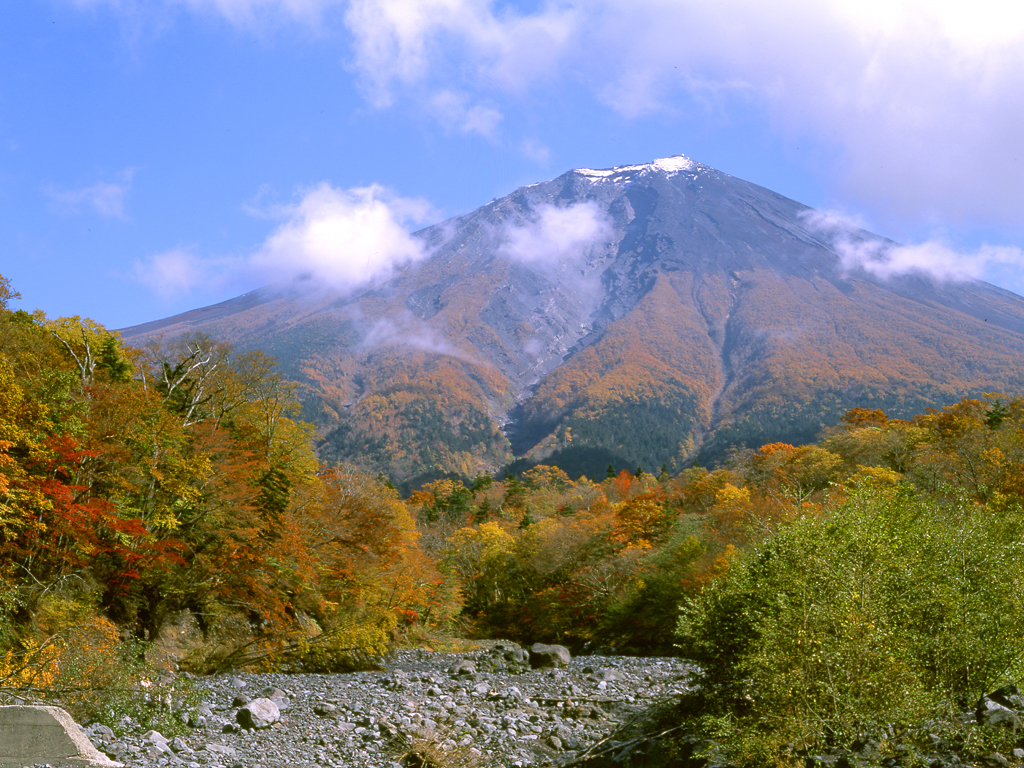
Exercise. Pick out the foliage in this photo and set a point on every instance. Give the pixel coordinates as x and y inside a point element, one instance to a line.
<point>871,577</point>
<point>89,670</point>
<point>887,609</point>
<point>357,643</point>
<point>424,415</point>
<point>141,483</point>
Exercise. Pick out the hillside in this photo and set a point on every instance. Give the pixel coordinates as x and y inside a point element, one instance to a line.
<point>651,314</point>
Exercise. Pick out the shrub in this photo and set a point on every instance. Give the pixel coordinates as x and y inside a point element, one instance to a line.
<point>357,643</point>
<point>887,610</point>
<point>98,677</point>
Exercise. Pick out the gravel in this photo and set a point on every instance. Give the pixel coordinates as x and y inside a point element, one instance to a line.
<point>485,708</point>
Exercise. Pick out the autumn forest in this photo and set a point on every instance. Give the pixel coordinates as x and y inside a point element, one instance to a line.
<point>144,487</point>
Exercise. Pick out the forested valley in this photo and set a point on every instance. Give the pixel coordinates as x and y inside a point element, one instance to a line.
<point>869,578</point>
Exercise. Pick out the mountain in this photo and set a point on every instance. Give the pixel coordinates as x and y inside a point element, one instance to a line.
<point>648,314</point>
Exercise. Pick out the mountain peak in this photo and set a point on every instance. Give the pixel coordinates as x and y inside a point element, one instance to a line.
<point>669,166</point>
<point>638,315</point>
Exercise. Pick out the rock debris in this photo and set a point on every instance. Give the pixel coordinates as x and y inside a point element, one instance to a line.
<point>484,708</point>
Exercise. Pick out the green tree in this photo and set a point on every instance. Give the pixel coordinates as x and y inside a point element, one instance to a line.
<point>886,611</point>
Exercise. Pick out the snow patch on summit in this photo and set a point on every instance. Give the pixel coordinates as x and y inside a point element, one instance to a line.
<point>673,165</point>
<point>591,173</point>
<point>667,165</point>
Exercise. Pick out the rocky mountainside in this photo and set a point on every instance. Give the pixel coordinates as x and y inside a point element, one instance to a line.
<point>651,314</point>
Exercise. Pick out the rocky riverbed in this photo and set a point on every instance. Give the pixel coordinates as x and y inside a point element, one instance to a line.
<point>486,708</point>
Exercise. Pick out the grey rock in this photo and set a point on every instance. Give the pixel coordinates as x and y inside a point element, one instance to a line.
<point>100,731</point>
<point>463,667</point>
<point>506,716</point>
<point>258,714</point>
<point>995,715</point>
<point>549,656</point>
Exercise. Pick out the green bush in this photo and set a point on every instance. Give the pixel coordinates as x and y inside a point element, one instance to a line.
<point>641,619</point>
<point>887,610</point>
<point>124,693</point>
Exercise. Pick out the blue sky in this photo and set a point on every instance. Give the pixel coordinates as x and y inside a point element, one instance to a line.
<point>159,155</point>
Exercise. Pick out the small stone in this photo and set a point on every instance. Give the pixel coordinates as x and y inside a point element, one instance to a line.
<point>102,732</point>
<point>221,749</point>
<point>116,749</point>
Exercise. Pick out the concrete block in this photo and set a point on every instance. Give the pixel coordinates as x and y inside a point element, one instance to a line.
<point>45,735</point>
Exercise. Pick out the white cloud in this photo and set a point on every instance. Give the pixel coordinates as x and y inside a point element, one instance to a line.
<point>556,234</point>
<point>922,102</point>
<point>104,197</point>
<point>405,42</point>
<point>860,250</point>
<point>916,104</point>
<point>342,238</point>
<point>331,239</point>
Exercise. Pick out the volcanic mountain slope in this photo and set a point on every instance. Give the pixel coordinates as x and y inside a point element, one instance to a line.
<point>644,314</point>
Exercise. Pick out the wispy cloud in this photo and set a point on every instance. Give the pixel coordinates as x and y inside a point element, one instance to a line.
<point>105,198</point>
<point>181,271</point>
<point>409,331</point>
<point>402,43</point>
<point>537,151</point>
<point>458,114</point>
<point>860,250</point>
<point>240,12</point>
<point>555,234</point>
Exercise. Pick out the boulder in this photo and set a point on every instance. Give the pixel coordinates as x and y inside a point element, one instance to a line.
<point>549,656</point>
<point>464,668</point>
<point>258,713</point>
<point>1009,696</point>
<point>992,710</point>
<point>277,696</point>
<point>31,734</point>
<point>510,652</point>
